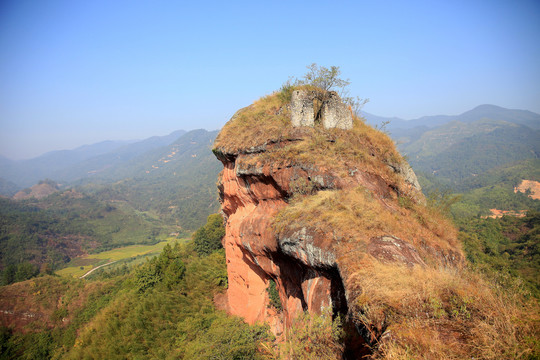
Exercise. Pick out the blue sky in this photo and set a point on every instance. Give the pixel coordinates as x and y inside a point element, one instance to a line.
<point>78,72</point>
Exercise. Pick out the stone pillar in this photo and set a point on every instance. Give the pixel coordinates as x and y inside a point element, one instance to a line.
<point>336,114</point>
<point>302,112</point>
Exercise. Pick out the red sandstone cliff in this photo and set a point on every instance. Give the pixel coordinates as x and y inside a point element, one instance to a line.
<point>314,209</point>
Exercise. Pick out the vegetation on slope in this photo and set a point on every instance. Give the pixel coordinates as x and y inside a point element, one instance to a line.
<point>163,309</point>
<point>177,182</point>
<point>429,313</point>
<point>46,314</point>
<point>507,245</point>
<point>48,233</point>
<point>443,311</point>
<point>458,152</point>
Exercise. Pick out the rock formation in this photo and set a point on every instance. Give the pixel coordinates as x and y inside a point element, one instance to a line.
<point>311,106</point>
<point>312,206</point>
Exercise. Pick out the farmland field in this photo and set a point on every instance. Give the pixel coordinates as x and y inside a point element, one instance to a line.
<point>81,265</point>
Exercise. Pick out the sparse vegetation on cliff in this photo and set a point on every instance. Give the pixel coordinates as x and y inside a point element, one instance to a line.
<point>314,337</point>
<point>355,216</point>
<point>266,125</point>
<point>273,296</point>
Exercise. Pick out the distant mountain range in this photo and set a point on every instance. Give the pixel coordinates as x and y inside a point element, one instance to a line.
<point>69,165</point>
<point>171,175</point>
<point>115,195</point>
<point>178,181</point>
<point>453,149</point>
<point>492,112</point>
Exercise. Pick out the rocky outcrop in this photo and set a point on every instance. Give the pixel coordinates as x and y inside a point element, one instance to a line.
<point>312,106</point>
<point>312,252</point>
<point>302,263</point>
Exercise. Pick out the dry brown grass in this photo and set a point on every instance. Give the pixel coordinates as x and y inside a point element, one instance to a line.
<point>266,120</point>
<point>437,311</point>
<point>433,313</point>
<point>356,216</point>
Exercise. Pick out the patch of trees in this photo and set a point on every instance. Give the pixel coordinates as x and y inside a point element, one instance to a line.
<point>19,272</point>
<point>47,233</point>
<point>167,269</point>
<point>208,238</point>
<point>508,245</point>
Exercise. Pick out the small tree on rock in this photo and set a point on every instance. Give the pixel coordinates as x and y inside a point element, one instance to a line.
<point>327,79</point>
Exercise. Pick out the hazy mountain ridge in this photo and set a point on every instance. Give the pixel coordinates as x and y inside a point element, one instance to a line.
<point>69,165</point>
<point>522,117</point>
<point>8,188</point>
<point>455,148</point>
<point>457,151</point>
<point>104,159</point>
<point>177,181</point>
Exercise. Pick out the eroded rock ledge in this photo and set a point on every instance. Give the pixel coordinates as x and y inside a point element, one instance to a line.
<point>302,263</point>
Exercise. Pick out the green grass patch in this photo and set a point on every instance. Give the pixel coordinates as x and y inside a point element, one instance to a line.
<point>81,265</point>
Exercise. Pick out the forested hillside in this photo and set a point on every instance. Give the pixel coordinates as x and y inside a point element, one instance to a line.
<point>142,198</point>
<point>456,152</point>
<point>177,181</point>
<point>44,235</point>
<point>505,246</point>
<point>161,309</point>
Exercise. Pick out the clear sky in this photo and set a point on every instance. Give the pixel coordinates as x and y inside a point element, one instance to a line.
<point>78,72</point>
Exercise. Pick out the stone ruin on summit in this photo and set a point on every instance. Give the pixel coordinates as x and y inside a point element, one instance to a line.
<point>309,107</point>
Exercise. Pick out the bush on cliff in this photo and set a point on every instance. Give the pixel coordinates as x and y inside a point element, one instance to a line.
<point>315,337</point>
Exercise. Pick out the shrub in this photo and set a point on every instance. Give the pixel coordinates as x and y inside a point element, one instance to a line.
<point>228,338</point>
<point>273,295</point>
<point>315,337</point>
<point>208,238</point>
<point>168,269</point>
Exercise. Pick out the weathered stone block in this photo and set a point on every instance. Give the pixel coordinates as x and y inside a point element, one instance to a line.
<point>302,112</point>
<point>336,114</point>
<point>305,106</point>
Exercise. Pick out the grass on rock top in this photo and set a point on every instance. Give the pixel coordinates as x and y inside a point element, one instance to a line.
<point>267,122</point>
<point>356,217</point>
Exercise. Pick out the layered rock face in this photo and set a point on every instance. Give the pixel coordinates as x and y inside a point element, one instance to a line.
<point>282,190</point>
<point>302,264</point>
